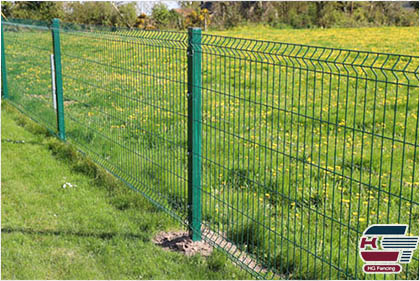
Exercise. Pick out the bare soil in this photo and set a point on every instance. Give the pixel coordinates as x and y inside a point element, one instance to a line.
<point>180,241</point>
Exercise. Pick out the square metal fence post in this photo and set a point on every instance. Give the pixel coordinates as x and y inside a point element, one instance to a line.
<point>58,79</point>
<point>4,88</point>
<point>194,133</point>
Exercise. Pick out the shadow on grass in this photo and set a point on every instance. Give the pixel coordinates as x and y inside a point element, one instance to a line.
<point>21,142</point>
<point>101,235</point>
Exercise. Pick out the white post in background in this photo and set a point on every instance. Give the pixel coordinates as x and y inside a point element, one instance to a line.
<point>54,98</point>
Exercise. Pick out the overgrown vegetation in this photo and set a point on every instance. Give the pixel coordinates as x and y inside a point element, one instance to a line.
<point>83,12</point>
<point>222,15</point>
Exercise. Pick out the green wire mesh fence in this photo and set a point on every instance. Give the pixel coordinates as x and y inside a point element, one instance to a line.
<point>302,147</point>
<point>28,49</point>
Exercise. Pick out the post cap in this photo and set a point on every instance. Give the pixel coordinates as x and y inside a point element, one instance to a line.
<point>194,29</point>
<point>55,22</point>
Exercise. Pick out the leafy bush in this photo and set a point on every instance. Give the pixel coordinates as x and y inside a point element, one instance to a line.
<point>161,15</point>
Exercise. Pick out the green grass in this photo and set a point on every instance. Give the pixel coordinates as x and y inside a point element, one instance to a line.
<point>97,230</point>
<point>295,164</point>
<point>400,40</point>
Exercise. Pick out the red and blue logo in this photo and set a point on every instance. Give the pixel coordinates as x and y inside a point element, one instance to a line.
<point>384,247</point>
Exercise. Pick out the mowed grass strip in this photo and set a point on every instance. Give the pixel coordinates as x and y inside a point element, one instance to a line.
<point>96,229</point>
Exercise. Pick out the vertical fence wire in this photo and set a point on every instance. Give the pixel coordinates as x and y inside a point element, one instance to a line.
<point>4,88</point>
<point>28,46</point>
<point>126,95</point>
<point>302,147</point>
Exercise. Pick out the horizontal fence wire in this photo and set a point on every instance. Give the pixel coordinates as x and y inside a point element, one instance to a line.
<point>127,106</point>
<point>28,49</point>
<point>303,147</point>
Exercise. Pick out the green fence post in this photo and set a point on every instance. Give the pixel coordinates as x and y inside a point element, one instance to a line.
<point>4,88</point>
<point>194,133</point>
<point>58,79</point>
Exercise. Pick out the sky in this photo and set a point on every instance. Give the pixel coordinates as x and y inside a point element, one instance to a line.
<point>146,6</point>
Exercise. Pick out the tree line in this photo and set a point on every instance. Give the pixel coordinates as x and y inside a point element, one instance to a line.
<point>315,14</point>
<point>222,15</point>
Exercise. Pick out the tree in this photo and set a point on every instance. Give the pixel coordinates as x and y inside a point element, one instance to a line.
<point>127,13</point>
<point>279,14</point>
<point>414,4</point>
<point>6,8</point>
<point>36,10</point>
<point>161,15</point>
<point>102,13</point>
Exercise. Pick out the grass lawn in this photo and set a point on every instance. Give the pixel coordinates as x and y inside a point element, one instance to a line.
<point>96,230</point>
<point>298,156</point>
<point>400,40</point>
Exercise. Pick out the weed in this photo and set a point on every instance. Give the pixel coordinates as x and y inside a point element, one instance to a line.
<point>238,179</point>
<point>217,260</point>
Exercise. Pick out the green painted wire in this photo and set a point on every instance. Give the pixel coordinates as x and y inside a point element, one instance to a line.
<point>266,107</point>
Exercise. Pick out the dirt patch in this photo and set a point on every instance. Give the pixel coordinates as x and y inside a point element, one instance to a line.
<point>180,241</point>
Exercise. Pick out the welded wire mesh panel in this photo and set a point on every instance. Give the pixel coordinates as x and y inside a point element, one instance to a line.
<point>28,49</point>
<point>125,104</point>
<point>303,148</point>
